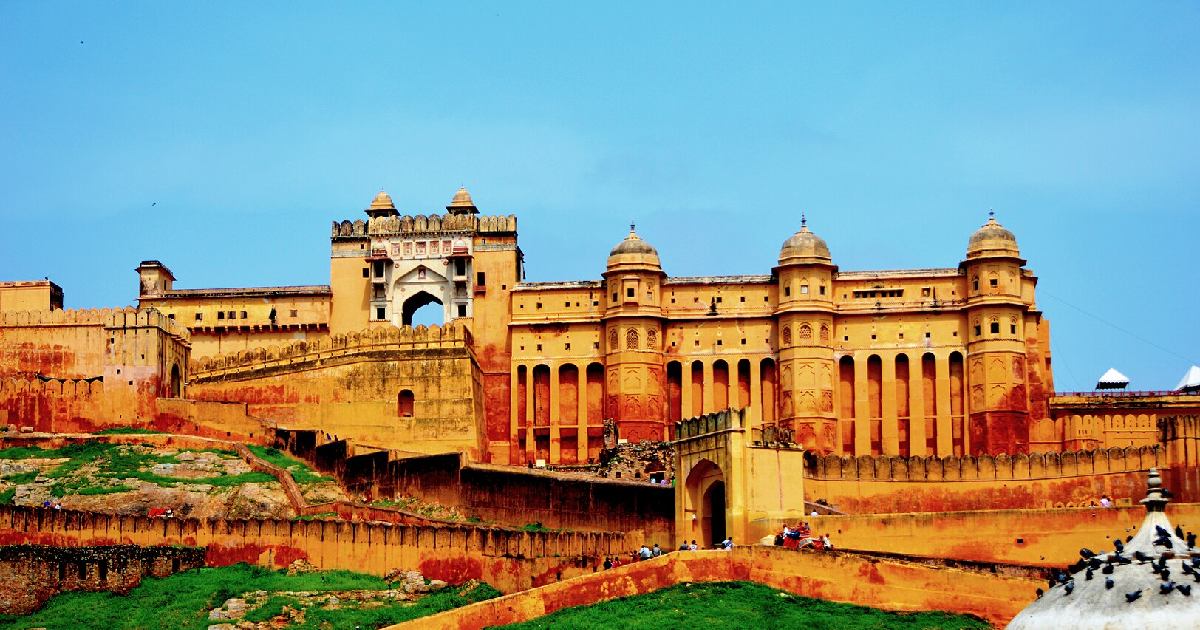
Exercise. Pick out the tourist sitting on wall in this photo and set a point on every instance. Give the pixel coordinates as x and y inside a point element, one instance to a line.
<point>644,553</point>
<point>1105,502</point>
<point>727,544</point>
<point>779,538</point>
<point>825,543</point>
<point>616,562</point>
<point>693,546</point>
<point>608,563</point>
<point>656,552</point>
<point>683,546</point>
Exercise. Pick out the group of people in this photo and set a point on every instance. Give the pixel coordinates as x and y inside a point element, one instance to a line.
<point>643,553</point>
<point>801,537</point>
<point>52,505</point>
<point>646,553</point>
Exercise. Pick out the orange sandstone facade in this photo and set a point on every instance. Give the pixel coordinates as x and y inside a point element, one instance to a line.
<point>942,362</point>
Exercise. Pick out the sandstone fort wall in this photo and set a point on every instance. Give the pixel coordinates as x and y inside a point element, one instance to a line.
<point>517,496</point>
<point>508,559</point>
<point>985,482</point>
<point>1048,538</point>
<point>31,575</point>
<point>887,583</point>
<point>416,389</point>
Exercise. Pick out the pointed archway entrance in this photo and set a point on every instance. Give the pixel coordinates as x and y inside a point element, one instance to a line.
<point>705,487</point>
<point>415,302</point>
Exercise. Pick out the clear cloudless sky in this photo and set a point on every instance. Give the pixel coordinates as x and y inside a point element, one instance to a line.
<point>223,138</point>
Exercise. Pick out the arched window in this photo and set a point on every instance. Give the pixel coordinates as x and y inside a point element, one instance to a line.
<point>805,333</point>
<point>631,339</point>
<point>787,335</point>
<point>612,339</point>
<point>405,403</point>
<point>824,333</point>
<point>652,339</point>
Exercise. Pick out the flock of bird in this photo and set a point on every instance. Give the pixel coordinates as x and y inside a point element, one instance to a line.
<point>1090,562</point>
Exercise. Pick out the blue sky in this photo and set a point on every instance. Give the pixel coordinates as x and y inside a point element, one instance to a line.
<point>222,138</point>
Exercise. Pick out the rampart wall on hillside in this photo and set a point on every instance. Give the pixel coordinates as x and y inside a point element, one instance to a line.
<point>887,583</point>
<point>985,482</point>
<point>517,496</point>
<point>31,574</point>
<point>415,389</point>
<point>508,559</point>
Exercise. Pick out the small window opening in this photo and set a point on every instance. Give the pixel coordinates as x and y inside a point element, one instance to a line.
<point>379,313</point>
<point>462,310</point>
<point>978,330</point>
<point>994,282</point>
<point>405,403</point>
<point>480,278</point>
<point>366,272</point>
<point>821,289</point>
<point>804,289</point>
<point>220,314</point>
<point>1012,329</point>
<point>629,292</point>
<point>995,327</point>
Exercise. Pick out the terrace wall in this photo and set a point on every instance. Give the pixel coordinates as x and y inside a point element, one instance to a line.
<point>508,559</point>
<point>30,575</point>
<point>887,583</point>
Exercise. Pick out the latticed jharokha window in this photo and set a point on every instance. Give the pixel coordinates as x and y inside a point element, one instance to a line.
<point>787,336</point>
<point>652,339</point>
<point>612,339</point>
<point>631,339</point>
<point>805,332</point>
<point>824,333</point>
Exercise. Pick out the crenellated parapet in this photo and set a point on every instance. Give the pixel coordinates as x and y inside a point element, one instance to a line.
<point>422,224</point>
<point>80,389</point>
<point>109,318</point>
<point>452,336</point>
<point>986,467</point>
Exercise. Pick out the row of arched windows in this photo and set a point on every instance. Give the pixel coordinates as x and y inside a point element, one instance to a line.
<point>805,334</point>
<point>633,339</point>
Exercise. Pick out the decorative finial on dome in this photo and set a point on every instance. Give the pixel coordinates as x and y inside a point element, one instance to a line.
<point>1157,497</point>
<point>632,227</point>
<point>803,220</point>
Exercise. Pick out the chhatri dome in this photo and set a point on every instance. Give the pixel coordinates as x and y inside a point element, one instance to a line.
<point>992,239</point>
<point>804,247</point>
<point>462,203</point>
<point>633,251</point>
<point>1144,582</point>
<point>382,205</point>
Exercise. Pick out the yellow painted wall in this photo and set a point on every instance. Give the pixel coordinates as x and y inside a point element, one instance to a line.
<point>36,295</point>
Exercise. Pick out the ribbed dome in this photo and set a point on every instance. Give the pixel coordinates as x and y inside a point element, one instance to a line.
<point>462,203</point>
<point>382,201</point>
<point>804,244</point>
<point>633,250</point>
<point>1090,603</point>
<point>992,237</point>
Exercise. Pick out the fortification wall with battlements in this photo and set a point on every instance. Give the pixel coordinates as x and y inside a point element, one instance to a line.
<point>1035,481</point>
<point>412,389</point>
<point>508,559</point>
